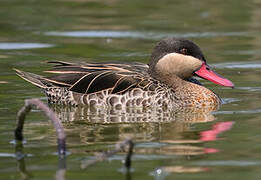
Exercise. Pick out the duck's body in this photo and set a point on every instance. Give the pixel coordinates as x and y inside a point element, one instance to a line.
<point>166,82</point>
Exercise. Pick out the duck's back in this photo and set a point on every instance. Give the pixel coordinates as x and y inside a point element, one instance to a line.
<point>113,84</point>
<point>82,83</point>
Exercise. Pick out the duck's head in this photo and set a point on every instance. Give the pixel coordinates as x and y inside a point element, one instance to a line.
<point>182,58</point>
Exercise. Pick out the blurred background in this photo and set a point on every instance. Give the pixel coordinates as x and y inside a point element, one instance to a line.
<point>228,32</point>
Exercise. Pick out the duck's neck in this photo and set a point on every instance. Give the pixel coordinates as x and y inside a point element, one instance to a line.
<point>191,94</point>
<point>173,81</point>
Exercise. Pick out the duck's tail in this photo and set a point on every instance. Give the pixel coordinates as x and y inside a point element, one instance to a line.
<point>35,79</point>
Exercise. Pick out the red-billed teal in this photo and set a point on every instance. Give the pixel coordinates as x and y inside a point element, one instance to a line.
<point>167,81</point>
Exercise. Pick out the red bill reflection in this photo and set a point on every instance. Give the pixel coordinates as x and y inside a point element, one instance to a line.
<point>211,135</point>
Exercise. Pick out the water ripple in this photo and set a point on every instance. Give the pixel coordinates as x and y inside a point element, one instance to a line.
<point>239,65</point>
<point>10,46</point>
<point>151,145</point>
<point>243,52</point>
<point>229,100</point>
<point>140,35</point>
<point>7,155</point>
<point>256,111</point>
<point>251,89</point>
<point>13,155</point>
<point>228,163</point>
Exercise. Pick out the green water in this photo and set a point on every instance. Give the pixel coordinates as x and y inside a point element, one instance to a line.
<point>228,32</point>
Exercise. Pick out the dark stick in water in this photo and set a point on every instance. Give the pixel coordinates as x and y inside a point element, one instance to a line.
<point>118,147</point>
<point>29,103</point>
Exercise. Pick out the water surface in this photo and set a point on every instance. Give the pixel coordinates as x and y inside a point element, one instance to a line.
<point>202,145</point>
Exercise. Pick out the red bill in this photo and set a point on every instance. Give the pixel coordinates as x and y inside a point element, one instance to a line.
<point>206,73</point>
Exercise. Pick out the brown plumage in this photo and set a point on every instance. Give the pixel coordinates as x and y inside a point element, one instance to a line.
<point>167,80</point>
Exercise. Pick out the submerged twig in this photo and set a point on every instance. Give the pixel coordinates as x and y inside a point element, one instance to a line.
<point>60,173</point>
<point>105,155</point>
<point>49,113</point>
<point>20,157</point>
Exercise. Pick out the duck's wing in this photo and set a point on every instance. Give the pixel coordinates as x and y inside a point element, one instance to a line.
<point>94,77</point>
<point>66,67</point>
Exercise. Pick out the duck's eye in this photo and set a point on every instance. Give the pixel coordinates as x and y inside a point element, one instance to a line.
<point>184,51</point>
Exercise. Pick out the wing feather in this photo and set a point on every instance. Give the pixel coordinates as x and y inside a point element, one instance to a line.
<point>98,82</point>
<point>94,77</point>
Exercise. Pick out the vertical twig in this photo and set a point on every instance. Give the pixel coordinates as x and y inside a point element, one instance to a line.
<point>60,173</point>
<point>129,154</point>
<point>49,113</point>
<point>20,156</point>
<point>20,121</point>
<point>105,155</point>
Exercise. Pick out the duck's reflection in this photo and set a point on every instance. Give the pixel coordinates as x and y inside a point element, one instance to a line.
<point>171,130</point>
<point>132,115</point>
<point>155,132</point>
<point>142,124</point>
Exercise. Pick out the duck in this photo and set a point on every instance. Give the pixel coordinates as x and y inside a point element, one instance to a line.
<point>168,80</point>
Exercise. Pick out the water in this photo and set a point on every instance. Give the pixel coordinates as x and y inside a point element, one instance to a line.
<point>196,145</point>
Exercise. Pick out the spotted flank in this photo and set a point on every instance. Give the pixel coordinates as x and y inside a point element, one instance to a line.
<point>166,82</point>
<point>135,97</point>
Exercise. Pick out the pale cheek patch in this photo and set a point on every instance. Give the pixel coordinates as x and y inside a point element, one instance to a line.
<point>178,64</point>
